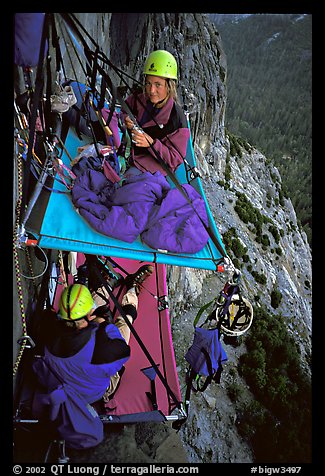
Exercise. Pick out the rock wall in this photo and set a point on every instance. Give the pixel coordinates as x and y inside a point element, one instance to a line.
<point>210,434</point>
<point>286,263</point>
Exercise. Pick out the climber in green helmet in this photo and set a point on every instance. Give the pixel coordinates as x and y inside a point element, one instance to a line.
<point>85,348</point>
<point>163,124</point>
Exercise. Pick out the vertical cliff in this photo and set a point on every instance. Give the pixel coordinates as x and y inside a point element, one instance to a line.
<point>282,257</point>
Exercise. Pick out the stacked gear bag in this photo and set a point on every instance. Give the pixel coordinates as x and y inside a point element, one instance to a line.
<point>231,316</point>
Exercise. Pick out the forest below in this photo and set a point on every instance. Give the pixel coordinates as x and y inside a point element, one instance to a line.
<point>269,89</point>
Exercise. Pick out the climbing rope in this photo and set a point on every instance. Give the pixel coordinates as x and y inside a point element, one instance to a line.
<point>17,265</point>
<point>25,341</point>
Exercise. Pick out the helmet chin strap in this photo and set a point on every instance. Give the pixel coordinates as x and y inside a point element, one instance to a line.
<point>78,320</point>
<point>157,104</point>
<point>68,302</point>
<point>160,102</point>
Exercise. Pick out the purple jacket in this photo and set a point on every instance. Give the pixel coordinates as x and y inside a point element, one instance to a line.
<point>144,205</point>
<point>171,148</point>
<point>88,379</point>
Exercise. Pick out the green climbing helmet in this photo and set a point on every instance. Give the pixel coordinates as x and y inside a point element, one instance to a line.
<point>161,63</point>
<point>75,302</point>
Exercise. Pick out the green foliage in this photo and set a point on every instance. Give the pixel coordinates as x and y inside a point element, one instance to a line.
<point>234,391</point>
<point>259,277</point>
<point>307,284</point>
<point>232,243</point>
<point>276,298</point>
<point>269,62</point>
<point>249,214</point>
<point>265,240</point>
<point>281,416</point>
<point>237,144</point>
<point>274,232</point>
<point>227,170</point>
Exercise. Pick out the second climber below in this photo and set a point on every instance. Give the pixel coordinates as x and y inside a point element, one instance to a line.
<point>160,117</point>
<point>83,348</point>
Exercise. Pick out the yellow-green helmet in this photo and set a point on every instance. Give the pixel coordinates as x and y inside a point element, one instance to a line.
<point>161,63</point>
<point>75,302</point>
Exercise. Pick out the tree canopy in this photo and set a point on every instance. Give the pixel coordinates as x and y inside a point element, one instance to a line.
<point>269,96</point>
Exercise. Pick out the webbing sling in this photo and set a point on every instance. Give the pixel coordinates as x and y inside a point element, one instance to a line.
<point>93,262</point>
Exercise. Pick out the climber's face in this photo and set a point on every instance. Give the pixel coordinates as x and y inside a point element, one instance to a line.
<point>156,88</point>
